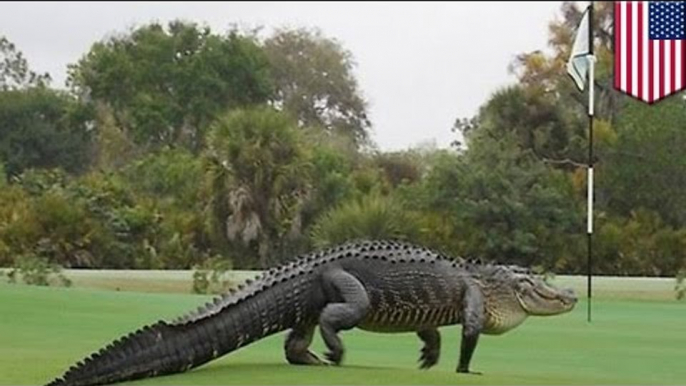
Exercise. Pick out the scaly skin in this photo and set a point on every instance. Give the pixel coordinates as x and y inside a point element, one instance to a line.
<point>380,286</point>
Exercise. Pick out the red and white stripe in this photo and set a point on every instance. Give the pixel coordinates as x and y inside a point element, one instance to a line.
<point>648,70</point>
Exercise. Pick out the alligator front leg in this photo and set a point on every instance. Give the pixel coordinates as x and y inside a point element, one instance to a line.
<point>297,346</point>
<point>343,315</point>
<point>473,320</point>
<point>432,347</point>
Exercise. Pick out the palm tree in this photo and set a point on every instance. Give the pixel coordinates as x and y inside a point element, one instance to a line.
<point>259,178</point>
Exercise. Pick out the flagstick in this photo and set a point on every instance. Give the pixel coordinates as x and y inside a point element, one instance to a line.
<point>591,63</point>
<point>590,186</point>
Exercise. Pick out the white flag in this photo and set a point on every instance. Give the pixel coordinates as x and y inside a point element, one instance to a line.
<point>577,66</point>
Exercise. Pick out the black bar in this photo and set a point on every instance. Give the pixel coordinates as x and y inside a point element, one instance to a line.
<point>589,263</point>
<point>590,234</point>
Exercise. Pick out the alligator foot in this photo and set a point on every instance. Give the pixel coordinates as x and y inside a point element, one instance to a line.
<point>315,360</point>
<point>297,343</point>
<point>467,371</point>
<point>306,358</point>
<point>335,357</point>
<point>428,358</point>
<point>432,348</point>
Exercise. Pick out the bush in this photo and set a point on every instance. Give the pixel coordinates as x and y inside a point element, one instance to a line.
<point>372,217</point>
<point>680,287</point>
<point>207,277</point>
<point>641,244</point>
<point>35,270</point>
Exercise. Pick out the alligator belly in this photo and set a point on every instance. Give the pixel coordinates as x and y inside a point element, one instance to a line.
<point>386,328</point>
<point>394,321</point>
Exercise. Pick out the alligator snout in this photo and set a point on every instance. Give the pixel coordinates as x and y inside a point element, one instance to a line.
<point>569,296</point>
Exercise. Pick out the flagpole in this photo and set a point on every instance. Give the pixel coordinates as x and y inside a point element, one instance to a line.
<point>591,63</point>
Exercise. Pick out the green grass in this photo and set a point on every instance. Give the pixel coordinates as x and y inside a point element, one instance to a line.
<point>632,340</point>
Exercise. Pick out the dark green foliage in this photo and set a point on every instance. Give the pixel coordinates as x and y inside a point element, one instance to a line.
<point>532,119</point>
<point>173,174</point>
<point>503,205</point>
<point>647,168</point>
<point>43,128</point>
<point>639,244</point>
<point>166,84</point>
<point>96,221</point>
<point>165,154</point>
<point>371,217</point>
<point>259,173</point>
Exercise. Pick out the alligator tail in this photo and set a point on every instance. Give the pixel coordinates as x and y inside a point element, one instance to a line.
<point>270,305</point>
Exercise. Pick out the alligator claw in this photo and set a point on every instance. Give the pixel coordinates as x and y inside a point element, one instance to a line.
<point>428,357</point>
<point>334,357</point>
<point>313,359</point>
<point>306,358</point>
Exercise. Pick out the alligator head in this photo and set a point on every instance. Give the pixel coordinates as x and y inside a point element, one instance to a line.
<point>511,294</point>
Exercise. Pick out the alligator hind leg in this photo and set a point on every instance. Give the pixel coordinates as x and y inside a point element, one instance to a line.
<point>297,343</point>
<point>349,309</point>
<point>432,347</point>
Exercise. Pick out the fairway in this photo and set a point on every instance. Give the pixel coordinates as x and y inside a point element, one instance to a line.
<point>639,341</point>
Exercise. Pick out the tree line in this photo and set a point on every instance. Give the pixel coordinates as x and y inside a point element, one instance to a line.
<point>174,146</point>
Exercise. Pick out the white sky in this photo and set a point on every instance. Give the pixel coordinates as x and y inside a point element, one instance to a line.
<point>420,65</point>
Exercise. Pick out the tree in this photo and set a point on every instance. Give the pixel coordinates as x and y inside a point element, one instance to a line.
<point>537,123</point>
<point>505,204</point>
<point>166,85</point>
<point>314,81</point>
<point>518,190</point>
<point>259,175</point>
<point>646,168</point>
<point>548,107</point>
<point>547,73</point>
<point>14,69</point>
<point>42,128</point>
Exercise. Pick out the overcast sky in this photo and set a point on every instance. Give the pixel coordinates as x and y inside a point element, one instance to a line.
<point>420,65</point>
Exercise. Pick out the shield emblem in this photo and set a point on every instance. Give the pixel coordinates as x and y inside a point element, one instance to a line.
<point>650,48</point>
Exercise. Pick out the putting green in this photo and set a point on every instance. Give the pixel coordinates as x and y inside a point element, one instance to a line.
<point>45,330</point>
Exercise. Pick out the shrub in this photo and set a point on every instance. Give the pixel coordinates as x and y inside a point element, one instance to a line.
<point>680,287</point>
<point>207,277</point>
<point>35,270</point>
<point>372,217</point>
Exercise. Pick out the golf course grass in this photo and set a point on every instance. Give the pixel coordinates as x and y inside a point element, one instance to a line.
<point>637,338</point>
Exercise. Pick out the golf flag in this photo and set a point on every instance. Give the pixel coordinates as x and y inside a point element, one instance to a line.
<point>577,66</point>
<point>580,67</point>
<point>650,48</point>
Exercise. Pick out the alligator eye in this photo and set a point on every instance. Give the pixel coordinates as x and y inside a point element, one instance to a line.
<point>526,282</point>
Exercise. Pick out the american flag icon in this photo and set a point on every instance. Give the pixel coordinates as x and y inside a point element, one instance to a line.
<point>650,48</point>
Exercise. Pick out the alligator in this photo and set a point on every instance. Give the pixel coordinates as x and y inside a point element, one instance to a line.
<point>383,286</point>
